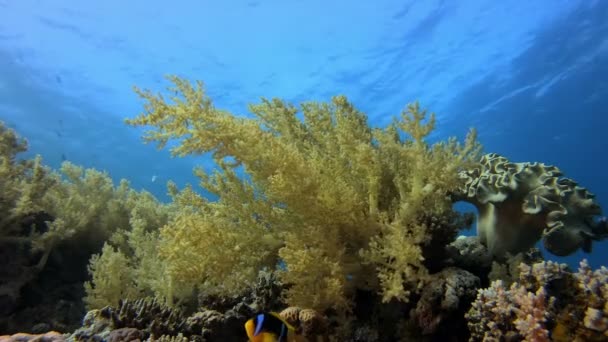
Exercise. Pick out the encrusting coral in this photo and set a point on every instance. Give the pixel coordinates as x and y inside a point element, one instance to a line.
<point>211,318</point>
<point>330,198</point>
<point>308,323</point>
<point>520,203</point>
<point>444,301</point>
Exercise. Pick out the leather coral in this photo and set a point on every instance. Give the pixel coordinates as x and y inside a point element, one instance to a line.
<point>521,203</point>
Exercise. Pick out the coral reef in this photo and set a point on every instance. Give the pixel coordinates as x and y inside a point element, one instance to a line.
<point>51,336</point>
<point>513,314</point>
<point>149,315</point>
<point>350,228</point>
<point>468,253</point>
<point>149,320</point>
<point>142,318</point>
<point>308,323</point>
<point>442,304</point>
<point>508,270</point>
<point>520,203</point>
<point>547,303</point>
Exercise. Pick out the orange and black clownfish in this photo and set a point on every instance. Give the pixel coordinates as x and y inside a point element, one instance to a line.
<point>269,327</point>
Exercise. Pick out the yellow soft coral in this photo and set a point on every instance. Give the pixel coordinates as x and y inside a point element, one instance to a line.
<point>128,265</point>
<point>423,177</point>
<point>213,254</point>
<point>43,211</point>
<point>111,274</point>
<point>328,194</point>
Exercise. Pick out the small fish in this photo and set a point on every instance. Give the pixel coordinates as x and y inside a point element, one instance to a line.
<point>269,327</point>
<point>154,178</point>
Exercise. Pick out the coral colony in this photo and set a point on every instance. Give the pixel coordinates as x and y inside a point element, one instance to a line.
<point>347,232</point>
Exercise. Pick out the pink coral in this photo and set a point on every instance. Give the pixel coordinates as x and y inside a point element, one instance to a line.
<point>529,311</point>
<point>532,310</point>
<point>514,313</point>
<point>594,285</point>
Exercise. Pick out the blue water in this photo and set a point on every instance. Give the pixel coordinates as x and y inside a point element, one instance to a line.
<point>531,76</point>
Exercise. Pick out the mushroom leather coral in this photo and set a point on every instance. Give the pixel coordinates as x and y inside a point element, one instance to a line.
<point>520,203</point>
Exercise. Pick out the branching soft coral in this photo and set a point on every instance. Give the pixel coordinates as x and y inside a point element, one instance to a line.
<point>74,200</point>
<point>423,176</point>
<point>128,265</point>
<point>25,229</point>
<point>171,250</point>
<point>111,273</point>
<point>74,209</point>
<point>212,253</point>
<point>325,193</point>
<point>12,173</point>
